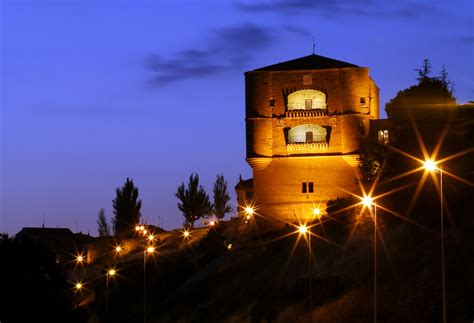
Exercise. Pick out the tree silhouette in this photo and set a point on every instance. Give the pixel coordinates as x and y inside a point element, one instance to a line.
<point>126,209</point>
<point>194,200</point>
<point>424,71</point>
<point>102,225</point>
<point>221,198</point>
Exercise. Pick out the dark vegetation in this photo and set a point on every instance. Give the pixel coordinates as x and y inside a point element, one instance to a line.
<point>33,287</point>
<point>126,209</point>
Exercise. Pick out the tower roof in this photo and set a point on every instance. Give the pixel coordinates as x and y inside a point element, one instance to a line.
<point>310,62</point>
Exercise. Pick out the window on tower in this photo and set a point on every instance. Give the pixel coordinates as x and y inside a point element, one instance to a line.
<point>382,136</point>
<point>307,187</point>
<point>306,100</point>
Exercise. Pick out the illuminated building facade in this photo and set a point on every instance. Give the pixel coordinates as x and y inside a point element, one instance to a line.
<point>304,122</point>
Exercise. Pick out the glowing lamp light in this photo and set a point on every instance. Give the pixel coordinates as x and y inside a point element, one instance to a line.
<point>79,258</point>
<point>144,231</point>
<point>137,228</point>
<point>229,246</point>
<point>249,211</point>
<point>302,229</point>
<point>248,216</point>
<point>78,286</point>
<point>367,201</point>
<point>429,165</point>
<point>150,249</point>
<point>118,249</point>
<point>317,212</point>
<point>151,237</point>
<point>186,233</point>
<point>212,223</point>
<point>112,272</point>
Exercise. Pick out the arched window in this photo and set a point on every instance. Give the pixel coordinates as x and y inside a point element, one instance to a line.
<point>306,100</point>
<point>307,133</point>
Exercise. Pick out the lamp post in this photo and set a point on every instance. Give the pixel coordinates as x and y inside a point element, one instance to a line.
<point>303,230</point>
<point>148,250</point>
<point>368,201</point>
<point>430,166</point>
<point>108,274</point>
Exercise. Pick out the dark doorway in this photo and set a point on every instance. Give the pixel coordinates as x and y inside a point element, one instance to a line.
<point>309,136</point>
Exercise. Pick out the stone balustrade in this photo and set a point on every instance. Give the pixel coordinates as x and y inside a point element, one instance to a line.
<point>306,147</point>
<point>306,113</point>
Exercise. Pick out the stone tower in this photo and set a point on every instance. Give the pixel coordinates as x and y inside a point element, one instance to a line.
<point>304,121</point>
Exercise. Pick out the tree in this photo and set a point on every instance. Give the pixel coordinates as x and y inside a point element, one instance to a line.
<point>126,209</point>
<point>424,71</point>
<point>221,198</point>
<point>194,200</point>
<point>102,225</point>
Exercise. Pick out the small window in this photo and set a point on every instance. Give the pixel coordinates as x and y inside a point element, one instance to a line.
<point>385,137</point>
<point>303,188</point>
<point>309,136</point>
<point>308,104</point>
<point>362,101</point>
<point>380,136</point>
<point>310,187</point>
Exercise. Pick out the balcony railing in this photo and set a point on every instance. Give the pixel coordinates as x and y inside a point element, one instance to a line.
<point>306,113</point>
<point>306,147</point>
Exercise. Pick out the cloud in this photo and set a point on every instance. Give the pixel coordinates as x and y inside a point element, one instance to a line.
<point>226,48</point>
<point>338,8</point>
<point>466,40</point>
<point>297,30</point>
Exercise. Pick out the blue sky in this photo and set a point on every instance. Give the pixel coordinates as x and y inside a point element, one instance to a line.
<point>95,91</point>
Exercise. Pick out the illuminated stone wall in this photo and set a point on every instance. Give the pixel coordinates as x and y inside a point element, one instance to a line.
<point>276,149</point>
<point>278,186</point>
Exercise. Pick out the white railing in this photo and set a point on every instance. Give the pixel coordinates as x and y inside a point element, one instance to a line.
<point>306,113</point>
<point>307,147</point>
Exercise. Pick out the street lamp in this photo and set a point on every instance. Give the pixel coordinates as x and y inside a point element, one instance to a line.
<point>186,234</point>
<point>148,250</point>
<point>368,201</point>
<point>317,212</point>
<point>118,249</point>
<point>303,230</point>
<point>78,286</point>
<point>79,259</point>
<point>111,272</point>
<point>430,166</point>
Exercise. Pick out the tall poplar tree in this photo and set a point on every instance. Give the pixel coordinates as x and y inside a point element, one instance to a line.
<point>126,209</point>
<point>221,198</point>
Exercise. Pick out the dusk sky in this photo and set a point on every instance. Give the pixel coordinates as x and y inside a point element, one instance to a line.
<point>95,91</point>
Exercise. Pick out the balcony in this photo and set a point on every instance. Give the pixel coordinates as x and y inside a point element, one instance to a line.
<point>306,113</point>
<point>306,147</point>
